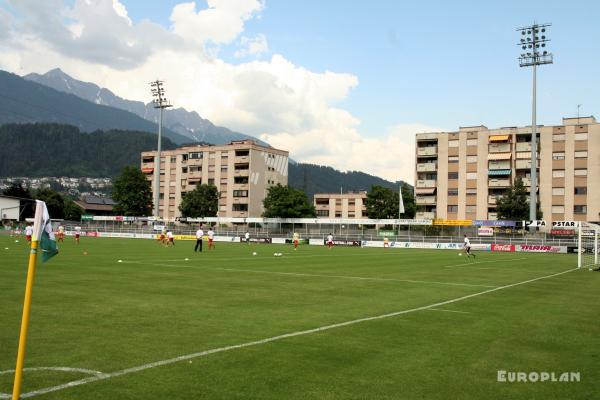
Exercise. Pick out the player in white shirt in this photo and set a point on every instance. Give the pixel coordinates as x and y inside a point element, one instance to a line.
<point>330,240</point>
<point>211,237</point>
<point>199,238</point>
<point>28,233</point>
<point>467,247</point>
<point>77,234</point>
<point>247,236</point>
<point>170,239</point>
<point>296,239</point>
<point>61,234</point>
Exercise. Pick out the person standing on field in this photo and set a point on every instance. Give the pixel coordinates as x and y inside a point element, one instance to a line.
<point>199,237</point>
<point>296,240</point>
<point>330,241</point>
<point>211,237</point>
<point>247,236</point>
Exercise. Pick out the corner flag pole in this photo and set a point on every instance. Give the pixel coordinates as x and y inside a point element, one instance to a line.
<point>37,232</point>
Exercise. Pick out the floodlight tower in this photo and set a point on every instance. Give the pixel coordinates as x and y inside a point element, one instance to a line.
<point>533,43</point>
<point>160,102</point>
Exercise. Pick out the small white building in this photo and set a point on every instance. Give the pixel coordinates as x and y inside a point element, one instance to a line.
<point>9,208</point>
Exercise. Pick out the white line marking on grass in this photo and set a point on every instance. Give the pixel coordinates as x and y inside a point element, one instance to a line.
<point>352,277</point>
<point>487,261</point>
<point>274,338</point>
<point>300,274</point>
<point>453,311</point>
<point>63,369</point>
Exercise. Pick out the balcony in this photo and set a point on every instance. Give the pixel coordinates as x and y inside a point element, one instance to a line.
<point>499,183</point>
<point>526,181</point>
<point>499,164</point>
<point>427,167</point>
<point>425,215</point>
<point>499,147</point>
<point>241,172</point>
<point>523,146</point>
<point>425,183</point>
<point>492,216</point>
<point>524,164</point>
<point>425,200</point>
<point>427,151</point>
<point>492,199</point>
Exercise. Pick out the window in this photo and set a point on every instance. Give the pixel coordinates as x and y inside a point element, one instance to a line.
<point>581,136</point>
<point>211,181</point>
<point>242,153</point>
<point>211,168</point>
<point>195,155</point>
<point>471,175</point>
<point>452,143</point>
<point>452,159</point>
<point>581,154</point>
<point>558,173</point>
<point>471,142</point>
<point>581,190</point>
<point>224,168</point>
<point>351,202</point>
<point>558,155</point>
<point>171,195</point>
<point>453,192</point>
<point>471,159</point>
<point>322,213</point>
<point>239,167</point>
<point>240,179</point>
<point>471,209</point>
<point>558,137</point>
<point>211,155</point>
<point>223,181</point>
<point>184,170</point>
<point>558,209</point>
<point>471,192</point>
<point>147,159</point>
<point>558,191</point>
<point>452,209</point>
<point>322,201</point>
<point>338,202</point>
<point>452,175</point>
<point>580,209</point>
<point>240,193</point>
<point>195,168</point>
<point>351,215</point>
<point>338,214</point>
<point>173,159</point>
<point>240,207</point>
<point>581,172</point>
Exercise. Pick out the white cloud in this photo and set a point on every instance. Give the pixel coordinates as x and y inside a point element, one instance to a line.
<point>255,46</point>
<point>287,105</point>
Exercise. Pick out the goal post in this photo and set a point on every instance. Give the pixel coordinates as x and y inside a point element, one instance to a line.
<point>587,245</point>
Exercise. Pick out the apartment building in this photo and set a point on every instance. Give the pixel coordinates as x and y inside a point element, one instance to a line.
<point>242,171</point>
<point>459,175</point>
<point>341,205</point>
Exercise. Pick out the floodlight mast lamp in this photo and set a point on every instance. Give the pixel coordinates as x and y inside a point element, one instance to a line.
<point>160,102</point>
<point>533,43</point>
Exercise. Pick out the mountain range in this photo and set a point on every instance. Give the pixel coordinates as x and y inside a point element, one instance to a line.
<point>186,123</point>
<point>61,99</point>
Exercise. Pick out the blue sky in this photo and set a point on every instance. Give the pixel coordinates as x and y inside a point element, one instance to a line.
<point>339,83</point>
<point>446,64</point>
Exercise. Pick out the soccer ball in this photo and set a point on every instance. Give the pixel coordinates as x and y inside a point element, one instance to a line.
<point>278,254</point>
<point>187,259</point>
<point>254,253</point>
<point>275,254</point>
<point>460,254</point>
<point>16,241</point>
<point>120,261</point>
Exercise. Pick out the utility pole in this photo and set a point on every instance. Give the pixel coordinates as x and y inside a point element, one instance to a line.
<point>160,102</point>
<point>533,42</point>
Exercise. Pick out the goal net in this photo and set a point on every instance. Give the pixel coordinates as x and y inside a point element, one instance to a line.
<point>587,240</point>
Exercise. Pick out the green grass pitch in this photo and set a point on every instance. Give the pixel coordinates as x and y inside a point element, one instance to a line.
<point>117,329</point>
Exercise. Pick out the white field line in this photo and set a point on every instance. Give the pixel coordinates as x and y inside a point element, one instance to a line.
<point>273,339</point>
<point>300,274</point>
<point>482,262</point>
<point>64,369</point>
<point>452,311</point>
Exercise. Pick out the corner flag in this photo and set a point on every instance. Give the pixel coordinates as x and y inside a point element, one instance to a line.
<point>43,239</point>
<point>44,233</point>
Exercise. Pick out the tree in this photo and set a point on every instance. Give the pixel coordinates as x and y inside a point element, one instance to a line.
<point>132,192</point>
<point>72,211</point>
<point>382,203</point>
<point>27,209</point>
<point>200,202</point>
<point>514,204</point>
<point>408,198</point>
<point>286,202</point>
<point>54,202</point>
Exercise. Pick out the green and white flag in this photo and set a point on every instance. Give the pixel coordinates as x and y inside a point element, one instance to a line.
<point>42,231</point>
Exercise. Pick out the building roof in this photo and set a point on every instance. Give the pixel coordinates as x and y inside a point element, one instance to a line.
<point>95,203</point>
